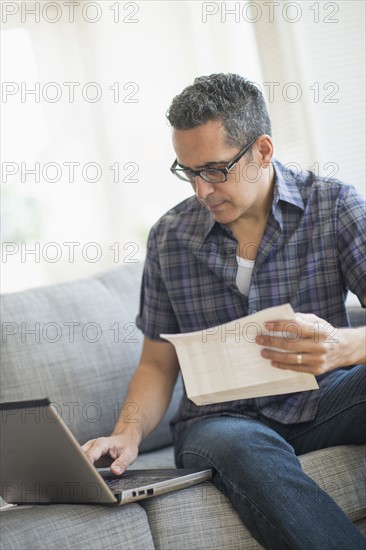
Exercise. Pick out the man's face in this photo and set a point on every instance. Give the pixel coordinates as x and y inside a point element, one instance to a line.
<point>247,186</point>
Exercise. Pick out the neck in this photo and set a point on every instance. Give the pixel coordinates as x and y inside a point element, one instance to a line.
<point>257,216</point>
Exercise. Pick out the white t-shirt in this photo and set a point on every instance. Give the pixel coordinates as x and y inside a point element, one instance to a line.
<point>245,268</point>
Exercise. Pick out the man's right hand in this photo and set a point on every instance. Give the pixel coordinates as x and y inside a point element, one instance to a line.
<point>121,448</point>
<point>150,391</point>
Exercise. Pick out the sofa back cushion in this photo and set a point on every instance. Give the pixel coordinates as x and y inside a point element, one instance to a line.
<point>357,315</point>
<point>77,343</point>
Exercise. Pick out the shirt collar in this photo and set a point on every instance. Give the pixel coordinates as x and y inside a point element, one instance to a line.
<point>285,188</point>
<point>194,223</point>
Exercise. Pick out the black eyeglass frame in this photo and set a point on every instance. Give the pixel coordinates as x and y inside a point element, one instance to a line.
<point>224,170</point>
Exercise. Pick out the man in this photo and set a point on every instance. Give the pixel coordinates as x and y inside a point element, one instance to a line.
<point>254,235</point>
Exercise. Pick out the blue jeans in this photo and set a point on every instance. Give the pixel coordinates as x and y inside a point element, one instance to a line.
<point>256,467</point>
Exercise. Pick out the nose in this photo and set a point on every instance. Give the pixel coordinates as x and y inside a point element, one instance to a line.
<point>202,188</point>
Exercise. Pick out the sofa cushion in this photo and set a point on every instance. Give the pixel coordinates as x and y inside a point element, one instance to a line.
<point>77,343</point>
<point>357,315</point>
<point>341,472</point>
<point>75,527</point>
<point>198,517</point>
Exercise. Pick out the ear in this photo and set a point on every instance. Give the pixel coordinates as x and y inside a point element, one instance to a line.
<point>265,149</point>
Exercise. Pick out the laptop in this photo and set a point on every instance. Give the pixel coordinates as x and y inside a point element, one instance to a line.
<point>42,462</point>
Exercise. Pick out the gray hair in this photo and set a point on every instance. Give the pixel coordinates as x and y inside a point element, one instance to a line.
<point>230,98</point>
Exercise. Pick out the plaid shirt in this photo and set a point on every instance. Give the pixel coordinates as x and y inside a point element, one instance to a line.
<point>313,249</point>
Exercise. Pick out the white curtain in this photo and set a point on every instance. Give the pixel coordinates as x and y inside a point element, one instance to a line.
<point>313,61</point>
<point>137,56</point>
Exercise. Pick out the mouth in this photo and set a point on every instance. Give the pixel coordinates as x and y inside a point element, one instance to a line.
<point>215,206</point>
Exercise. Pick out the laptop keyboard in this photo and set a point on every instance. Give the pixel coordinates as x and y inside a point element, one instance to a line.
<point>121,484</point>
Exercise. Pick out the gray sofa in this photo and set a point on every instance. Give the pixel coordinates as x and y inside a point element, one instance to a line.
<point>77,344</point>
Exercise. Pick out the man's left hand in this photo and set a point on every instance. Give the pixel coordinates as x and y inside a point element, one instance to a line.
<point>307,344</point>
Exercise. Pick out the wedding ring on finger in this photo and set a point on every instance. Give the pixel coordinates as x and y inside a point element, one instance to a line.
<point>299,359</point>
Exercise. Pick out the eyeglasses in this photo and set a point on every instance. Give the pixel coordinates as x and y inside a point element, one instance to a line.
<point>211,175</point>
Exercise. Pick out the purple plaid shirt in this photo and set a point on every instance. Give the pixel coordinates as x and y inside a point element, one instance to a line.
<point>313,249</point>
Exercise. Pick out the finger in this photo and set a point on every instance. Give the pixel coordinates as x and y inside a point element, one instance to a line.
<point>88,445</point>
<point>305,326</point>
<point>280,342</point>
<point>125,459</point>
<point>99,448</point>
<point>118,467</point>
<point>290,344</point>
<point>314,363</point>
<point>290,328</point>
<point>286,358</point>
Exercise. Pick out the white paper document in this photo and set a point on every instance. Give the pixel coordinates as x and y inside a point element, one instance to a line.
<point>224,363</point>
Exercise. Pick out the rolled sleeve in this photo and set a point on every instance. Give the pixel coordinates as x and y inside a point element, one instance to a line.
<point>156,314</point>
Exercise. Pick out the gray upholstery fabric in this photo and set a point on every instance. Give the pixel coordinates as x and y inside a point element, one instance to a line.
<point>84,368</point>
<point>340,471</point>
<point>357,316</point>
<point>161,458</point>
<point>73,527</point>
<point>199,517</point>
